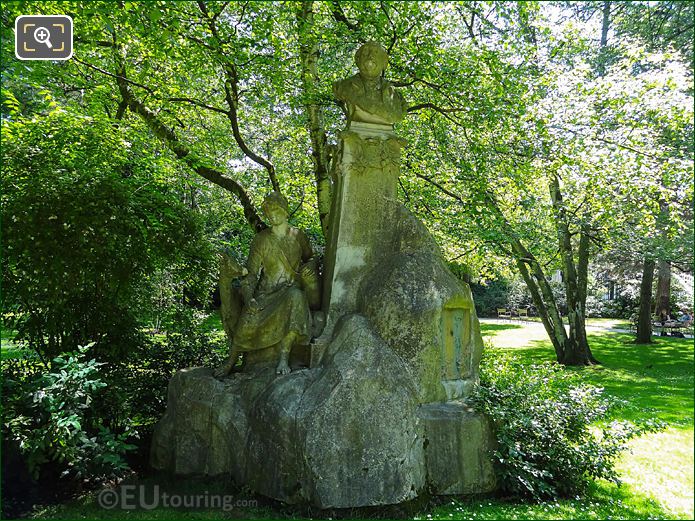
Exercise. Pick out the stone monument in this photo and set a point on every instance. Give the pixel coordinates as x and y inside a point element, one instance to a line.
<point>380,413</point>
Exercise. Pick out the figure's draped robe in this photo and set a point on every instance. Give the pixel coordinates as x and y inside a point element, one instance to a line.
<point>273,280</point>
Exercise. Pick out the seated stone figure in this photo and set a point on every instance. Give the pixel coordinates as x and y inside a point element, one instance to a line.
<point>276,309</point>
<point>367,96</point>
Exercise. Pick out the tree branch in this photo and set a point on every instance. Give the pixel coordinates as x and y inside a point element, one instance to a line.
<point>420,106</point>
<point>181,151</point>
<point>117,77</point>
<point>199,104</point>
<point>440,187</point>
<point>339,16</point>
<point>232,98</point>
<point>320,151</point>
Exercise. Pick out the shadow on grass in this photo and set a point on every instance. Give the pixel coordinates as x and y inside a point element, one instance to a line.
<point>656,379</point>
<point>604,501</point>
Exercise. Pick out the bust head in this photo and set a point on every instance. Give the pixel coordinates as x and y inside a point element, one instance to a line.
<point>371,59</point>
<point>275,208</point>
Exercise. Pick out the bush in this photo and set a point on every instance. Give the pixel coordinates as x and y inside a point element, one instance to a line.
<point>138,386</point>
<point>491,296</point>
<point>52,419</point>
<point>621,307</point>
<point>88,221</point>
<point>553,433</point>
<point>502,293</point>
<point>80,413</point>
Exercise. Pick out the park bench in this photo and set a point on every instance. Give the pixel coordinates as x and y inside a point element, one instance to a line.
<point>522,314</point>
<point>669,326</point>
<point>504,313</point>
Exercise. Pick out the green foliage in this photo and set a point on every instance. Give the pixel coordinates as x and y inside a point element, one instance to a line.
<point>53,420</point>
<point>658,477</point>
<point>491,296</point>
<point>138,385</point>
<point>81,413</point>
<point>663,26</point>
<point>102,226</point>
<point>551,431</point>
<point>501,293</point>
<point>522,102</point>
<point>86,224</point>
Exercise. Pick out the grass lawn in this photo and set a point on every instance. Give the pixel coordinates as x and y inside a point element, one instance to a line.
<point>604,323</point>
<point>213,322</point>
<point>8,347</point>
<point>608,323</point>
<point>655,380</point>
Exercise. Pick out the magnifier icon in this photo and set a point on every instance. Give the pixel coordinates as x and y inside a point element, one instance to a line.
<point>43,35</point>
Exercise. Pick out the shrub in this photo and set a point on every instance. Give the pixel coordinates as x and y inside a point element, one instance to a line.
<point>489,297</point>
<point>138,386</point>
<point>52,419</point>
<point>89,221</point>
<point>622,307</point>
<point>81,414</point>
<point>502,293</point>
<point>553,433</point>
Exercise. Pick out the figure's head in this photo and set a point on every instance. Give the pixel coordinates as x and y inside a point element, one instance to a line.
<point>371,59</point>
<point>275,208</point>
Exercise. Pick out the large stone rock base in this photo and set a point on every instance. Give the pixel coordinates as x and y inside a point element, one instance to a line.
<point>347,434</point>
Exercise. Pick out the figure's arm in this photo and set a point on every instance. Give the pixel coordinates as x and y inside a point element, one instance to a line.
<point>341,95</point>
<point>389,106</point>
<point>392,106</point>
<point>399,104</point>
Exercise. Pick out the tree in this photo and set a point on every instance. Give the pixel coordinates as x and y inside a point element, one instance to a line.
<point>595,142</point>
<point>90,220</point>
<point>515,137</point>
<point>644,318</point>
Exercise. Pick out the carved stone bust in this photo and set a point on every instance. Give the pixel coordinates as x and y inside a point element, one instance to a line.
<point>367,97</point>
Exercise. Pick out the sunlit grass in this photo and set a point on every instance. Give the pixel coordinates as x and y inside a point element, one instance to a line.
<point>8,347</point>
<point>604,501</point>
<point>656,382</point>
<point>660,466</point>
<point>604,323</point>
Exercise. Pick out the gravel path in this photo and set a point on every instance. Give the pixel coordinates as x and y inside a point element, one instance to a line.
<point>539,326</point>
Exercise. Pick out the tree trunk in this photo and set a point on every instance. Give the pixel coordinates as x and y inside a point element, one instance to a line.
<point>556,333</point>
<point>605,24</point>
<point>309,52</point>
<point>644,323</point>
<point>538,285</point>
<point>663,288</point>
<point>577,351</point>
<point>542,295</point>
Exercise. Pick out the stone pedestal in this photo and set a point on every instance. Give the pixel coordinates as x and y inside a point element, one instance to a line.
<point>380,415</point>
<point>348,434</point>
<point>365,174</point>
<point>457,455</point>
<point>343,435</point>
